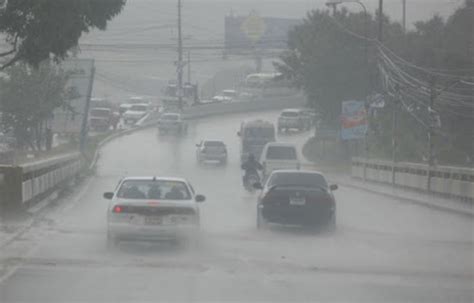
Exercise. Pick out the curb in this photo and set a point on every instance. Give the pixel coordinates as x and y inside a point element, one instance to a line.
<point>409,200</point>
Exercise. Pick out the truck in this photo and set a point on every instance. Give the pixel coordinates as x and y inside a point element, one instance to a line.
<point>100,119</point>
<point>254,135</point>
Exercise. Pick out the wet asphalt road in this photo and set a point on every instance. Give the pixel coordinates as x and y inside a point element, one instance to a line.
<point>383,250</point>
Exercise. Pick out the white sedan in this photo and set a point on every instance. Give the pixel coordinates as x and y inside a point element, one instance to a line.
<point>152,208</point>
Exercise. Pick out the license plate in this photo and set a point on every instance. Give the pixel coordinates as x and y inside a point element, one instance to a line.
<point>297,201</point>
<point>153,221</point>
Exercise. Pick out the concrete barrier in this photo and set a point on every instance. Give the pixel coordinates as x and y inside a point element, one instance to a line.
<point>24,185</point>
<point>456,182</point>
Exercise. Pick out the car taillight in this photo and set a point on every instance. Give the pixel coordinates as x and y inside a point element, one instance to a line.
<point>117,209</point>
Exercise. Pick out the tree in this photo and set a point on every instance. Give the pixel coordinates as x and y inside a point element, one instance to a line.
<point>327,63</point>
<point>27,99</point>
<point>37,30</point>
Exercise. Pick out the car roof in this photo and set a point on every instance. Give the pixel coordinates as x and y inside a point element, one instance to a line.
<point>298,171</point>
<point>291,110</point>
<point>213,141</point>
<point>283,144</point>
<point>151,178</point>
<point>101,108</point>
<point>171,114</point>
<point>142,104</point>
<point>259,123</point>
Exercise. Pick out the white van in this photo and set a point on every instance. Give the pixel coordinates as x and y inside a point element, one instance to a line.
<point>277,155</point>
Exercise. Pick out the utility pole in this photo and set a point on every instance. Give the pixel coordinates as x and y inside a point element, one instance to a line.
<point>394,132</point>
<point>404,16</point>
<point>189,67</point>
<point>431,132</point>
<point>180,59</point>
<point>380,35</point>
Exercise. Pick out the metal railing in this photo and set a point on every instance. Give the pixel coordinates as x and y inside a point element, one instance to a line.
<point>451,181</point>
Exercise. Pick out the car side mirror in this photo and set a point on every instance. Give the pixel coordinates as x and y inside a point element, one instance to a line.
<point>333,187</point>
<point>108,196</point>
<point>200,198</point>
<point>257,185</point>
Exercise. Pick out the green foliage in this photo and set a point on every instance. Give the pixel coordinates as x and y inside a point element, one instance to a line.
<point>326,58</point>
<point>28,97</point>
<point>38,29</point>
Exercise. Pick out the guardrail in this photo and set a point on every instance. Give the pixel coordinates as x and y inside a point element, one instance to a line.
<point>450,181</point>
<point>24,185</point>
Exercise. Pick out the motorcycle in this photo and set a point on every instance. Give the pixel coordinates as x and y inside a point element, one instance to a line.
<point>250,180</point>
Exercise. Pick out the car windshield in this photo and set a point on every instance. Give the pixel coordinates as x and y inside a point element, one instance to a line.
<point>214,144</point>
<point>289,114</point>
<point>298,179</point>
<point>154,190</point>
<point>139,108</point>
<point>281,153</point>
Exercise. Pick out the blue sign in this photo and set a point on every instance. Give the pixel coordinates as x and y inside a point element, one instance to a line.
<point>353,120</point>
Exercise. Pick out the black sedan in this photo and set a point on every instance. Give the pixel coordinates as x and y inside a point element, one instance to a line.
<point>295,197</point>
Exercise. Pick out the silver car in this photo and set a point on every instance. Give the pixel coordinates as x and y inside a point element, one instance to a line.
<point>152,208</point>
<point>211,150</point>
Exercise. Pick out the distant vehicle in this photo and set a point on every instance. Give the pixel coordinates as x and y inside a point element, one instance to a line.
<point>230,93</point>
<point>246,96</point>
<point>209,150</point>
<point>136,112</point>
<point>152,208</point>
<point>100,119</point>
<point>293,119</point>
<point>253,137</point>
<point>172,122</point>
<point>132,101</point>
<point>261,79</point>
<point>221,99</point>
<point>277,155</point>
<point>293,197</point>
<point>99,103</point>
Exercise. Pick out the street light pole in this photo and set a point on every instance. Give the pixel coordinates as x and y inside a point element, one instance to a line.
<point>180,59</point>
<point>404,15</point>
<point>380,33</point>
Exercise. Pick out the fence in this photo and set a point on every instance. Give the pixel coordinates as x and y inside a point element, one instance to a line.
<point>456,182</point>
<point>23,185</point>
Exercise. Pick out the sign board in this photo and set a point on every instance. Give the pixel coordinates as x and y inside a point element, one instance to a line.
<point>354,123</point>
<point>69,118</point>
<point>252,31</point>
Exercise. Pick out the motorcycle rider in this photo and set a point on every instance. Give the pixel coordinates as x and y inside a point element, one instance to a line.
<point>251,167</point>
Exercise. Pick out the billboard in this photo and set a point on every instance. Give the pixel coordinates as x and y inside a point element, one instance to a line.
<point>68,119</point>
<point>354,123</point>
<point>253,31</point>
